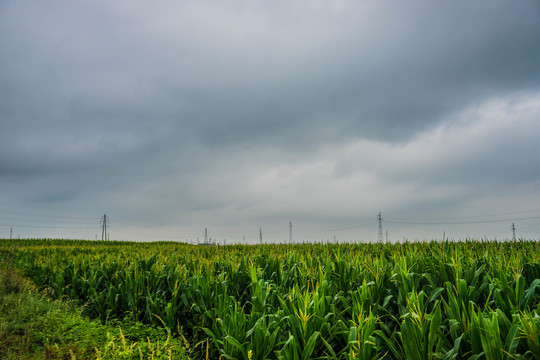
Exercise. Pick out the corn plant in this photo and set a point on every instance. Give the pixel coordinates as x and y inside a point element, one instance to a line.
<point>434,300</point>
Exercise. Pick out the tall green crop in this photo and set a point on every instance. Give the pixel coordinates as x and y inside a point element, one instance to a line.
<point>436,300</point>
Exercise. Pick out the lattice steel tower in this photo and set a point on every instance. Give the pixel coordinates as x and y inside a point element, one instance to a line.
<point>290,234</point>
<point>379,219</point>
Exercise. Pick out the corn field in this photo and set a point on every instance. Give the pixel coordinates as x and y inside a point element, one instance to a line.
<point>436,300</point>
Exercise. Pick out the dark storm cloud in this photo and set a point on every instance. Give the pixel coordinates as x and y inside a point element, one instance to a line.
<point>251,109</point>
<point>230,70</point>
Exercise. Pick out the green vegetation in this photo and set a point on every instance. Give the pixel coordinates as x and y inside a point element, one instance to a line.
<point>464,300</point>
<point>34,327</point>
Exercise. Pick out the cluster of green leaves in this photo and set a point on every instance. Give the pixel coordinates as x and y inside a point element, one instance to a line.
<point>34,327</point>
<point>476,300</point>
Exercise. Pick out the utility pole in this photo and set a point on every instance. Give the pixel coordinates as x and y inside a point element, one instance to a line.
<point>513,232</point>
<point>379,219</point>
<point>290,234</point>
<point>10,233</point>
<point>205,236</point>
<point>104,233</point>
<point>260,236</point>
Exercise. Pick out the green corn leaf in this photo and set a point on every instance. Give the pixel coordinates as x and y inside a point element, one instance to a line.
<point>530,293</point>
<point>512,341</point>
<point>519,291</point>
<point>293,350</point>
<point>310,346</point>
<point>392,346</point>
<point>333,355</point>
<point>435,294</point>
<point>454,352</point>
<point>353,335</point>
<point>241,348</point>
<point>434,330</point>
<point>477,356</point>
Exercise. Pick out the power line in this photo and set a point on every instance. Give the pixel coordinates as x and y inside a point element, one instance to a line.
<point>474,216</point>
<point>530,231</point>
<point>18,218</point>
<point>45,215</point>
<point>459,222</point>
<point>349,226</point>
<point>159,233</point>
<point>49,227</point>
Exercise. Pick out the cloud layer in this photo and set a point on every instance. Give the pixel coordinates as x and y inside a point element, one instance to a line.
<point>176,116</point>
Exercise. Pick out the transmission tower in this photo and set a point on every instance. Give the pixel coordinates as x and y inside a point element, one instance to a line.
<point>260,236</point>
<point>379,219</point>
<point>513,232</point>
<point>104,222</point>
<point>290,234</point>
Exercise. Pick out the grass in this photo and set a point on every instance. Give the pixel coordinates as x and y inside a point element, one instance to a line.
<point>34,327</point>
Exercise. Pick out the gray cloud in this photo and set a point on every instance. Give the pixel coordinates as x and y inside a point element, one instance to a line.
<point>249,113</point>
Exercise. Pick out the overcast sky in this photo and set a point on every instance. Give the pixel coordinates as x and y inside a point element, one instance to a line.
<point>175,116</point>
